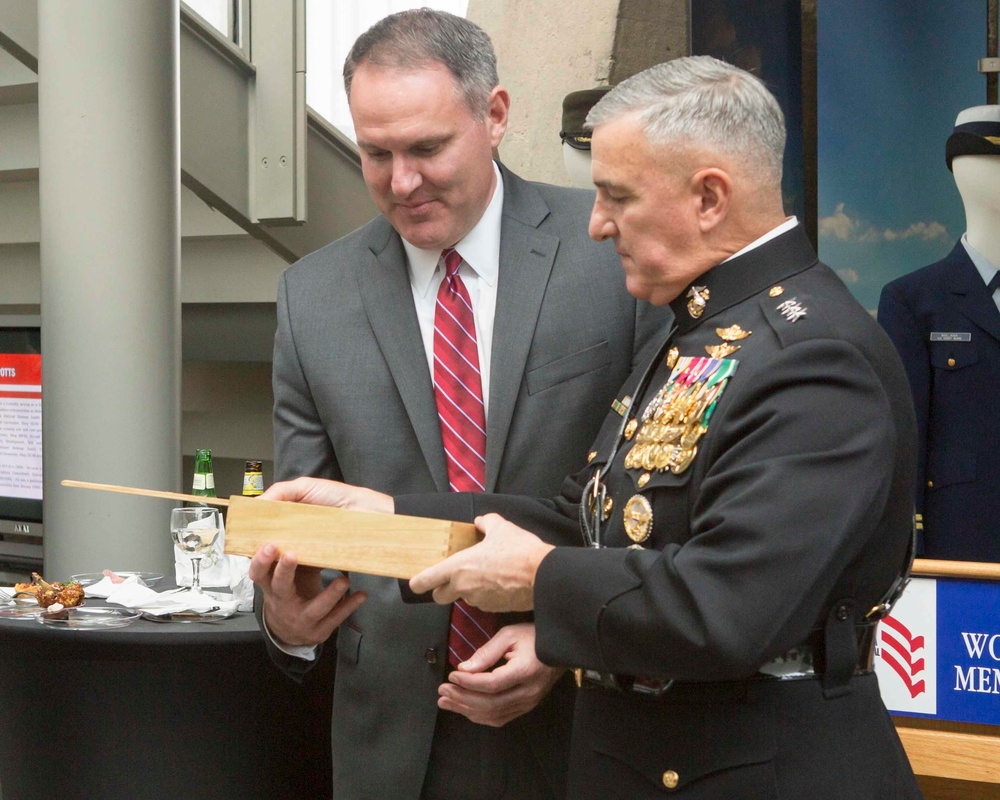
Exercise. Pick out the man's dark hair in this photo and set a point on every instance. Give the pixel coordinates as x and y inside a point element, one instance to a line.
<point>423,37</point>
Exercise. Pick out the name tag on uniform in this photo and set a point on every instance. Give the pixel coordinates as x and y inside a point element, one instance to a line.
<point>950,337</point>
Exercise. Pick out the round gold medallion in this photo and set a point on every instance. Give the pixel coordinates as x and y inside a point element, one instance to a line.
<point>638,514</point>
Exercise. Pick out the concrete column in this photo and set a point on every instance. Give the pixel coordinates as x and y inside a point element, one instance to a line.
<point>110,224</point>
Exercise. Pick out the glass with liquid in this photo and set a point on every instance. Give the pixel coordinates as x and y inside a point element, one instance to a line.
<point>194,531</point>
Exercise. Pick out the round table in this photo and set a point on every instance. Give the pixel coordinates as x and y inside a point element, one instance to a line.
<point>158,710</point>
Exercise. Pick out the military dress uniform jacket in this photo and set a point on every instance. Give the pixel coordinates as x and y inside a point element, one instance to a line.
<point>946,327</point>
<point>760,538</point>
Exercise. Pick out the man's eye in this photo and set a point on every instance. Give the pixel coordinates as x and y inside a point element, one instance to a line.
<point>377,155</point>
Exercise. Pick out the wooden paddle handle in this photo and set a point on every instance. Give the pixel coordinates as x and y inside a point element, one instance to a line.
<point>108,487</point>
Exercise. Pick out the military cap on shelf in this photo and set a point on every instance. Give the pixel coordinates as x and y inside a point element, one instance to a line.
<point>576,106</point>
<point>977,133</point>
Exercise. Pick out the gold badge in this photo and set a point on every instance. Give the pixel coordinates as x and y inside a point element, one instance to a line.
<point>721,350</point>
<point>775,291</point>
<point>697,300</point>
<point>605,510</point>
<point>630,428</point>
<point>672,357</point>
<point>643,479</point>
<point>638,515</point>
<point>683,460</point>
<point>732,334</point>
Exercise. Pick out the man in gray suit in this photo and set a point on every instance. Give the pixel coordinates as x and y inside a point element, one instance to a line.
<point>354,401</point>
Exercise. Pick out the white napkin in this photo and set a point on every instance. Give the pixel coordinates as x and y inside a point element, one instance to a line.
<point>134,594</point>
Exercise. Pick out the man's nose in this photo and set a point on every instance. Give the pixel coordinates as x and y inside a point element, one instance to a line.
<point>601,227</point>
<point>405,179</point>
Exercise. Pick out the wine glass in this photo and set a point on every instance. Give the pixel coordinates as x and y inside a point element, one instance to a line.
<point>194,531</point>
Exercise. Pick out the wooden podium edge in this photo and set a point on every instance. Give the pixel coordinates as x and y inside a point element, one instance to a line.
<point>946,754</point>
<point>975,570</point>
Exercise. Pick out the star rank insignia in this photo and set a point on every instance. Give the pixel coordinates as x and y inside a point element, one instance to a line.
<point>791,309</point>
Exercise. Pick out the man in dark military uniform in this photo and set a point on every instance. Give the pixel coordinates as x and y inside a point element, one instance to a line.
<point>747,504</point>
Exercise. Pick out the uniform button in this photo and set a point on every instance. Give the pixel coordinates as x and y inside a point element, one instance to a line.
<point>671,779</point>
<point>930,484</point>
<point>842,613</point>
<point>431,655</point>
<point>776,291</point>
<point>951,362</point>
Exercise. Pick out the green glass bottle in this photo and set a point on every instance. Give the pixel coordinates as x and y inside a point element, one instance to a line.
<point>204,479</point>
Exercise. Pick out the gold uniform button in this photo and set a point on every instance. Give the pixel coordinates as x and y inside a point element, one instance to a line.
<point>951,362</point>
<point>776,290</point>
<point>930,484</point>
<point>591,456</point>
<point>671,779</point>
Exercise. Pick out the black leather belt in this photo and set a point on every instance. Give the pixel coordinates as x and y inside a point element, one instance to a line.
<point>797,664</point>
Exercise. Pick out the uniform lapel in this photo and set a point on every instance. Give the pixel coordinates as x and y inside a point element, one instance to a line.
<point>526,258</point>
<point>388,301</point>
<point>970,294</point>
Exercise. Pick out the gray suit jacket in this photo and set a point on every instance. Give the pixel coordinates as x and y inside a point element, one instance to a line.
<point>354,402</point>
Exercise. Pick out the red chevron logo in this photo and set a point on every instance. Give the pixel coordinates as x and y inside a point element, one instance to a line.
<point>898,650</point>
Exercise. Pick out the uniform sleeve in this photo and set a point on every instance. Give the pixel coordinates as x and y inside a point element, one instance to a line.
<point>796,476</point>
<point>301,444</point>
<point>896,317</point>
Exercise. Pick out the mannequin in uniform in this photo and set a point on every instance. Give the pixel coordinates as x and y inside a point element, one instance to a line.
<point>945,321</point>
<point>576,140</point>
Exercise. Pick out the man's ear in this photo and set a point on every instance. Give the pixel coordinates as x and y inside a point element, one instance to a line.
<point>497,108</point>
<point>714,189</point>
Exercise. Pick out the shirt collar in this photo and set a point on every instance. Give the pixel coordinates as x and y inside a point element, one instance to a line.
<point>982,264</point>
<point>787,225</point>
<point>479,248</point>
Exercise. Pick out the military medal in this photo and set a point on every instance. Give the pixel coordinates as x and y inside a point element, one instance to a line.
<point>638,514</point>
<point>677,417</point>
<point>697,300</point>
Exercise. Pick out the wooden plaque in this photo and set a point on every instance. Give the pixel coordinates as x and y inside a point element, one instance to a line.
<point>391,545</point>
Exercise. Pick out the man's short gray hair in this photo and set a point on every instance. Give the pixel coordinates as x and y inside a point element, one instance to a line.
<point>700,100</point>
<point>424,37</point>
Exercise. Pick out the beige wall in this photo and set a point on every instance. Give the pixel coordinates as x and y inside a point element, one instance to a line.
<point>545,49</point>
<point>548,48</point>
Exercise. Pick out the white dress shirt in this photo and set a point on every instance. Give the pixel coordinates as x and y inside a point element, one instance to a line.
<point>480,252</point>
<point>985,269</point>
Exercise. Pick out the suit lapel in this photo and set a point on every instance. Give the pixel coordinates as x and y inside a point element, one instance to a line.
<point>388,301</point>
<point>970,294</point>
<point>526,258</point>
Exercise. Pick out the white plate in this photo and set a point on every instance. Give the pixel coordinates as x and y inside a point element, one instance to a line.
<point>92,618</point>
<point>188,616</point>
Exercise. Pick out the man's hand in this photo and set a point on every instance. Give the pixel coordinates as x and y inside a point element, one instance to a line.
<point>498,574</point>
<point>321,492</point>
<point>512,689</point>
<point>297,609</point>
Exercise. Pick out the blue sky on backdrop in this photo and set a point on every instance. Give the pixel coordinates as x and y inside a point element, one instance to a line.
<point>892,76</point>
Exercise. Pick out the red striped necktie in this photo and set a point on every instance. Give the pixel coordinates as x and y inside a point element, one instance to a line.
<point>458,391</point>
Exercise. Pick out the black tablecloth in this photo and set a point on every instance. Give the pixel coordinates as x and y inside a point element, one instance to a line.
<point>157,710</point>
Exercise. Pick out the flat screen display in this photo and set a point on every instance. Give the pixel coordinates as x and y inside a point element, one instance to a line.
<point>20,422</point>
